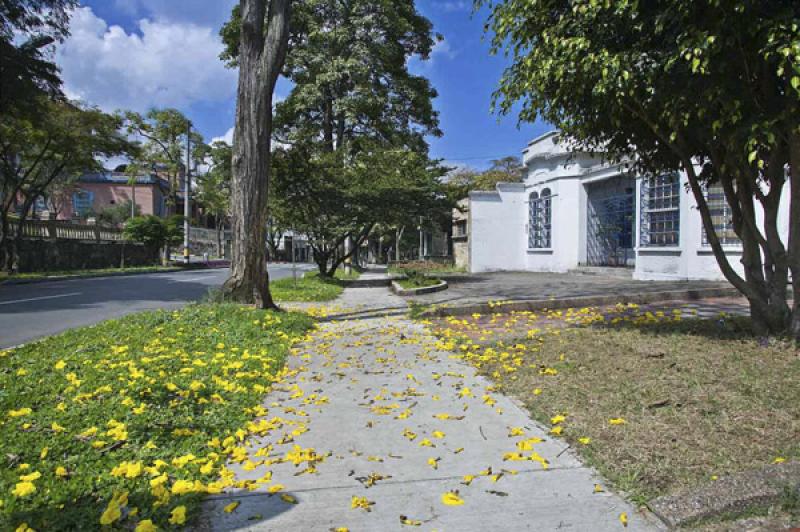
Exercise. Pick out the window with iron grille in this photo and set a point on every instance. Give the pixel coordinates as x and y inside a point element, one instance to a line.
<point>661,213</point>
<point>460,228</point>
<point>82,202</point>
<point>540,214</point>
<point>722,216</point>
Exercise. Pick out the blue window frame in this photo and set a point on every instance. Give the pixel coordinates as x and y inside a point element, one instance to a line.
<point>540,215</point>
<point>82,202</point>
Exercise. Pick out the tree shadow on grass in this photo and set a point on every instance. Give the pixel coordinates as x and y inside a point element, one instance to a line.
<point>725,328</point>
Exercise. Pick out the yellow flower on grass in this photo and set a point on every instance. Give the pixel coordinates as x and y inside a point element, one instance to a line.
<point>112,512</point>
<point>19,413</point>
<point>555,420</point>
<point>56,427</point>
<point>617,421</point>
<point>23,527</point>
<point>61,471</point>
<point>30,477</point>
<point>585,440</point>
<point>779,460</point>
<point>146,526</point>
<point>231,507</point>
<point>451,498</point>
<point>182,487</point>
<point>23,489</point>
<point>178,516</point>
<point>43,454</point>
<point>60,365</point>
<point>127,470</point>
<point>557,430</point>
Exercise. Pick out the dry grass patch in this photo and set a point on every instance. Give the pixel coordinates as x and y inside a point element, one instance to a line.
<point>699,399</point>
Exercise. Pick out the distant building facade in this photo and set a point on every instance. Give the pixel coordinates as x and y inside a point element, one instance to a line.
<point>93,193</point>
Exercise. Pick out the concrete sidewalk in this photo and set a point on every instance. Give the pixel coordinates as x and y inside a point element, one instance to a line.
<point>400,422</point>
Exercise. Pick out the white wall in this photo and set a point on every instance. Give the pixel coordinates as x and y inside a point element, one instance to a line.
<point>497,230</point>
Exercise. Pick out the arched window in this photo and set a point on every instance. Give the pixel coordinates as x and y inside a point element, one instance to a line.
<point>540,214</point>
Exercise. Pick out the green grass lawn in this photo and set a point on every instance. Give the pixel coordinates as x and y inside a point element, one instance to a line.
<point>310,287</point>
<point>133,419</point>
<point>86,273</point>
<point>427,267</point>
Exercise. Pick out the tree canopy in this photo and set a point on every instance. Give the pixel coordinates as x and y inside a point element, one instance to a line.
<point>27,28</point>
<point>711,88</point>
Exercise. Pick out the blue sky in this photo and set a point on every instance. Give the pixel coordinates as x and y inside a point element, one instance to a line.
<point>136,54</point>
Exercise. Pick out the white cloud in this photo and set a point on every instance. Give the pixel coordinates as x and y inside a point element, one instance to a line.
<point>443,49</point>
<point>227,137</point>
<point>163,65</point>
<point>455,6</point>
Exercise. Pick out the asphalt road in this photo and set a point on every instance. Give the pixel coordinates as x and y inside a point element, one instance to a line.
<point>31,311</point>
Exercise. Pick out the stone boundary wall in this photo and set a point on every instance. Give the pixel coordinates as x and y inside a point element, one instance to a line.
<point>37,255</point>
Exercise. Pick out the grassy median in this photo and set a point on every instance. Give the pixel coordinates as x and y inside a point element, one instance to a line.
<point>310,287</point>
<point>656,403</point>
<point>131,421</point>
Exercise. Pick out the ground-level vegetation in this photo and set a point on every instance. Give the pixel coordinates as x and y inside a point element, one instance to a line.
<point>311,287</point>
<point>34,276</point>
<point>131,422</point>
<point>658,403</point>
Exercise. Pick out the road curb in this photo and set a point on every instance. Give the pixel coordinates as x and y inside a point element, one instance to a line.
<point>731,495</point>
<point>11,282</point>
<point>410,292</point>
<point>502,307</point>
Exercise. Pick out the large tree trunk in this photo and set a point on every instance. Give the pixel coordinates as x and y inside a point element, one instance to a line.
<point>262,53</point>
<point>793,246</point>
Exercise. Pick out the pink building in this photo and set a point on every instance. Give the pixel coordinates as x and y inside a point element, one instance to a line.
<point>93,193</point>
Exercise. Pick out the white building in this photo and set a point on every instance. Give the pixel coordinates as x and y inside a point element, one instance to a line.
<point>574,210</point>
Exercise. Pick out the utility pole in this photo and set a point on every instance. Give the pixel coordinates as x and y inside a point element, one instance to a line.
<point>187,213</point>
<point>294,266</point>
<point>421,240</point>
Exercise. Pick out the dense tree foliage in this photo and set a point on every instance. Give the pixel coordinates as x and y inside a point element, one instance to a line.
<point>27,29</point>
<point>708,87</point>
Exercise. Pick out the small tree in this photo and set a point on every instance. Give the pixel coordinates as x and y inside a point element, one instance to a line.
<point>154,232</point>
<point>214,187</point>
<point>711,88</point>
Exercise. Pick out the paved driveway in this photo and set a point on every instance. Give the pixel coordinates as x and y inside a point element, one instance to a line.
<point>502,286</point>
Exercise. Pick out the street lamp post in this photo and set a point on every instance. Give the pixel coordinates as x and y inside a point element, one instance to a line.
<point>187,213</point>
